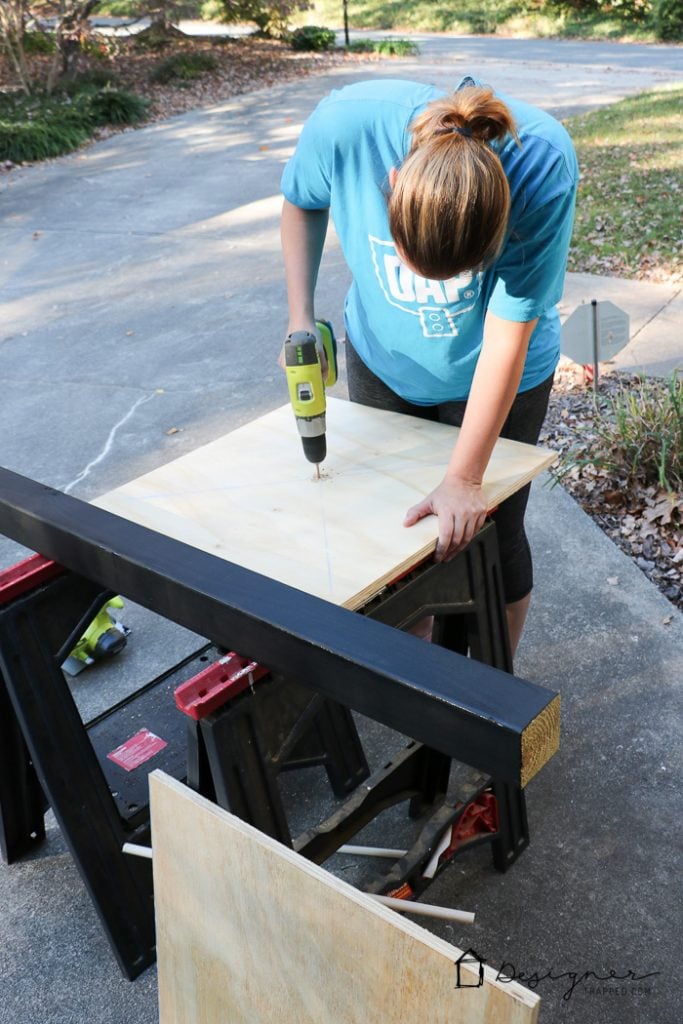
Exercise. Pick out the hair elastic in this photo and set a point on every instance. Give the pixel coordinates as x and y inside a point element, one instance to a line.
<point>462,131</point>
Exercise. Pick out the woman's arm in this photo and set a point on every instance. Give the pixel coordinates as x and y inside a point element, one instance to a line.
<point>303,237</point>
<point>458,501</point>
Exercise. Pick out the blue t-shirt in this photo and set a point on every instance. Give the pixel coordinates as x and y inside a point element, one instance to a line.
<point>423,337</point>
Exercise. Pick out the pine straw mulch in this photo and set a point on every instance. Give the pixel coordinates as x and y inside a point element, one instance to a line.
<point>646,522</point>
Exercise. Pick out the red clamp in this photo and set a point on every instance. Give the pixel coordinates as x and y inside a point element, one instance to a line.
<point>217,684</point>
<point>479,818</point>
<point>27,575</point>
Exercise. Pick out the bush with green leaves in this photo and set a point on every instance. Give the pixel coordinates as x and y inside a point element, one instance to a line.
<point>312,37</point>
<point>271,17</point>
<point>39,127</point>
<point>637,435</point>
<point>38,42</point>
<point>36,128</point>
<point>184,67</point>
<point>116,107</point>
<point>668,20</point>
<point>92,78</point>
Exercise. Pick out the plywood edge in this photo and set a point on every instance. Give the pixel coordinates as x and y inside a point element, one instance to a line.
<point>546,458</point>
<point>360,599</point>
<point>540,740</point>
<point>164,794</point>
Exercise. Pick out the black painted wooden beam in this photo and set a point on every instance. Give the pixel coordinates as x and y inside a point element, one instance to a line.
<point>482,716</point>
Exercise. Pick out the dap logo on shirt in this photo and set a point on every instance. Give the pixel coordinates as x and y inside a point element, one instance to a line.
<point>438,304</point>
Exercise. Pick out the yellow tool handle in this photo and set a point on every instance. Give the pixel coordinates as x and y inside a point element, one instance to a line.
<point>304,375</point>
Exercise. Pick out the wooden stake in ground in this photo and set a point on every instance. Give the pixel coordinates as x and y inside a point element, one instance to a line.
<point>250,932</point>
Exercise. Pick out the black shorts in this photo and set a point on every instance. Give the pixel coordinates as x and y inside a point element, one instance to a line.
<point>523,423</point>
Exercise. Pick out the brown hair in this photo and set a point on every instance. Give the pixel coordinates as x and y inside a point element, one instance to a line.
<point>449,206</point>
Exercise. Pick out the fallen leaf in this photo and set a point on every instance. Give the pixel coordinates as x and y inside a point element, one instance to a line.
<point>129,334</point>
<point>663,510</point>
<point>613,580</point>
<point>667,620</point>
<point>173,430</point>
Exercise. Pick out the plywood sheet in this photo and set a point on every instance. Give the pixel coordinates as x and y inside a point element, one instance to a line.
<point>252,498</point>
<point>249,932</point>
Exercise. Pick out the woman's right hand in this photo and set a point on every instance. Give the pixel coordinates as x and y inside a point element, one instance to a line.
<point>312,329</point>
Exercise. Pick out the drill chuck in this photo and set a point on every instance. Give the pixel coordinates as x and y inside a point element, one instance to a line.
<point>315,448</point>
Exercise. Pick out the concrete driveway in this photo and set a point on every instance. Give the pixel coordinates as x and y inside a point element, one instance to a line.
<point>140,279</point>
<point>143,308</point>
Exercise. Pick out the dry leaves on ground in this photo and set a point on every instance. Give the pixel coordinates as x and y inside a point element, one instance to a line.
<point>646,522</point>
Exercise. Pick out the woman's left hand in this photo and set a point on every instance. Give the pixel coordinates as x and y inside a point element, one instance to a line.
<point>461,510</point>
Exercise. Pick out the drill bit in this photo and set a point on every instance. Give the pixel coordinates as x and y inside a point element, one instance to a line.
<point>317,469</point>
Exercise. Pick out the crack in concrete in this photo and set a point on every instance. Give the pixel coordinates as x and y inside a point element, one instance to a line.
<point>654,316</point>
<point>108,443</point>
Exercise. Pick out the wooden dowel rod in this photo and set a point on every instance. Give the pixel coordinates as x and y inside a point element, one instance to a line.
<point>137,851</point>
<point>372,851</point>
<point>426,909</point>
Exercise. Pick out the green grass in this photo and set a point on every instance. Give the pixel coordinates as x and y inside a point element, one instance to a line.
<point>628,218</point>
<point>506,17</point>
<point>414,15</point>
<point>385,47</point>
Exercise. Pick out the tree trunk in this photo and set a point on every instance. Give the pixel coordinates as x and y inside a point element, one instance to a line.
<point>72,26</point>
<point>11,41</point>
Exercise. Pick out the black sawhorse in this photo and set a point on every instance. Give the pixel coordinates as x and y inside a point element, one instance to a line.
<point>99,802</point>
<point>456,707</point>
<point>238,741</point>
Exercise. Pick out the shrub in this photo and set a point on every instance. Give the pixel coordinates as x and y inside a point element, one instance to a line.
<point>39,139</point>
<point>112,106</point>
<point>38,42</point>
<point>312,37</point>
<point>668,19</point>
<point>87,81</point>
<point>39,127</point>
<point>183,67</point>
<point>270,16</point>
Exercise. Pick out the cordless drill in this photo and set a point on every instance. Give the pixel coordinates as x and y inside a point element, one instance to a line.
<point>306,386</point>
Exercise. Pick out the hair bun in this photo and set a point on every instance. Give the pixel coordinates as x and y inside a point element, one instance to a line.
<point>473,111</point>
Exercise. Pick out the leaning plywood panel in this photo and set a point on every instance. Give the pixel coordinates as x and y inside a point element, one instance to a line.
<point>249,932</point>
<point>252,498</point>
